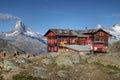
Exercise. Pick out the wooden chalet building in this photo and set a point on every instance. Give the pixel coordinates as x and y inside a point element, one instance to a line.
<point>58,37</point>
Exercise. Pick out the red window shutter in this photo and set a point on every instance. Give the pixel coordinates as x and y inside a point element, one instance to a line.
<point>55,40</point>
<point>102,34</point>
<point>103,40</point>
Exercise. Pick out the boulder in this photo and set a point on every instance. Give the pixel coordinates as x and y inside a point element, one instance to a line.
<point>67,59</point>
<point>39,74</point>
<point>64,61</point>
<point>22,60</point>
<point>40,68</point>
<point>47,61</point>
<point>117,74</point>
<point>75,58</point>
<point>1,65</point>
<point>54,54</point>
<point>10,65</point>
<point>45,55</point>
<point>63,74</point>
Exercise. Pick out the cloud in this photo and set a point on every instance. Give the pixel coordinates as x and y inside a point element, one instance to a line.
<point>7,17</point>
<point>113,15</point>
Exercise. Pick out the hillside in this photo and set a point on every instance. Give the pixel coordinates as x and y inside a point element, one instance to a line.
<point>8,48</point>
<point>69,66</point>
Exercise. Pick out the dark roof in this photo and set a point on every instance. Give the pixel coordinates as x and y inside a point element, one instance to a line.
<point>88,31</point>
<point>63,32</point>
<point>78,33</point>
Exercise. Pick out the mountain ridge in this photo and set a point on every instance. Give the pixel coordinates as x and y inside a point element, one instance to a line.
<point>25,39</point>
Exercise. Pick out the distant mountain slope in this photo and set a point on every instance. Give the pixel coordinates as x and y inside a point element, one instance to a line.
<point>115,32</point>
<point>9,48</point>
<point>25,39</point>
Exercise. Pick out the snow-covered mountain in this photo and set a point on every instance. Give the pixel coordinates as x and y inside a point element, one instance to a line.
<point>25,39</point>
<point>116,28</point>
<point>115,32</point>
<point>98,26</point>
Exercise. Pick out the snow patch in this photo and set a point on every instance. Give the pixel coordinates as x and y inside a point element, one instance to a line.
<point>116,29</point>
<point>98,26</point>
<point>11,34</point>
<point>30,33</point>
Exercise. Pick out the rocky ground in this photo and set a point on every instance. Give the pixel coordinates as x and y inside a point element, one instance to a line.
<point>53,66</point>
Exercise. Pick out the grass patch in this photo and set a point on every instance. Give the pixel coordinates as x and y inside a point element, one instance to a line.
<point>108,66</point>
<point>99,64</point>
<point>111,73</point>
<point>62,68</point>
<point>112,67</point>
<point>24,76</point>
<point>1,72</point>
<point>85,60</point>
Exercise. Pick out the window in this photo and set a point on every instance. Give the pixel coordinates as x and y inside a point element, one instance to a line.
<point>72,40</point>
<point>101,33</point>
<point>103,40</point>
<point>52,40</point>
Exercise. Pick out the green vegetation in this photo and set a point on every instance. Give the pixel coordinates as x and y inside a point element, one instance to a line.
<point>111,73</point>
<point>108,66</point>
<point>85,60</point>
<point>99,64</point>
<point>24,76</point>
<point>62,68</point>
<point>112,67</point>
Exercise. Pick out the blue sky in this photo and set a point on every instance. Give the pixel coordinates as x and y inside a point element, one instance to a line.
<point>40,15</point>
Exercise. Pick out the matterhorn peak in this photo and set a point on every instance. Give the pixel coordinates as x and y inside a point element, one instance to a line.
<point>19,27</point>
<point>98,26</point>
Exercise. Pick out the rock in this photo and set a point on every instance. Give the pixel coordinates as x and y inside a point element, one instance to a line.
<point>118,65</point>
<point>9,75</point>
<point>63,61</point>
<point>47,61</point>
<point>39,74</point>
<point>1,66</point>
<point>63,74</point>
<point>40,68</point>
<point>68,59</point>
<point>10,65</point>
<point>1,78</point>
<point>22,60</point>
<point>117,74</point>
<point>1,60</point>
<point>54,54</point>
<point>45,55</point>
<point>75,58</point>
<point>98,75</point>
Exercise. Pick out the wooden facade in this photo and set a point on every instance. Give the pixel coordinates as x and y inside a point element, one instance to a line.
<point>58,37</point>
<point>101,36</point>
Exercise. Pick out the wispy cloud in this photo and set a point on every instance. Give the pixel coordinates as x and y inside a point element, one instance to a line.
<point>7,17</point>
<point>113,15</point>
